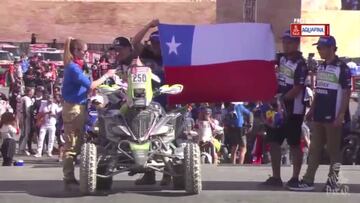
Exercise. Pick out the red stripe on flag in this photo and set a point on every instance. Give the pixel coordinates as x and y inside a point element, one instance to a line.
<point>234,81</point>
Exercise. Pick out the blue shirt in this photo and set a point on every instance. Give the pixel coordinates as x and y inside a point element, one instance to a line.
<point>240,110</point>
<point>75,85</point>
<point>278,120</point>
<point>25,66</point>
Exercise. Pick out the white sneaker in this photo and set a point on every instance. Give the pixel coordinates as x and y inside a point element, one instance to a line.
<point>49,155</point>
<point>27,153</point>
<point>38,155</point>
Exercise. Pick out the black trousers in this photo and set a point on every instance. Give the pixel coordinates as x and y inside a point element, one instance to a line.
<point>8,151</point>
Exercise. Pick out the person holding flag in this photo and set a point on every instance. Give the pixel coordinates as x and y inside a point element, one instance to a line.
<point>150,55</point>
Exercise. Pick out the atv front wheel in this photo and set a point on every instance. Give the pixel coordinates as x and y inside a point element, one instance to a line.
<point>192,165</point>
<point>88,169</point>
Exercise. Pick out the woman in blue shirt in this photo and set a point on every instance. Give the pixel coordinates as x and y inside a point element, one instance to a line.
<point>75,90</point>
<point>235,131</point>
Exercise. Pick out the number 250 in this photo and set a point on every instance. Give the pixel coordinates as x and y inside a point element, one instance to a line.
<point>139,78</point>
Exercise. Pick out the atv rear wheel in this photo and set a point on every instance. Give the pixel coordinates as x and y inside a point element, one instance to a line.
<point>88,169</point>
<point>192,165</point>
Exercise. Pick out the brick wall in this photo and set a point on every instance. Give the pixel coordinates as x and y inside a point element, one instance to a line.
<point>96,22</point>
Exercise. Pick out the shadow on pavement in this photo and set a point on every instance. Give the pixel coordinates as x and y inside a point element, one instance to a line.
<point>55,189</point>
<point>48,165</point>
<point>42,161</point>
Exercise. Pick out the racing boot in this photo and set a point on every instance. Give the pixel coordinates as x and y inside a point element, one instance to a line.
<point>166,180</point>
<point>147,179</point>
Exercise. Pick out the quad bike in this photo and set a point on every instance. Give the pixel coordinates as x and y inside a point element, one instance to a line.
<point>138,137</point>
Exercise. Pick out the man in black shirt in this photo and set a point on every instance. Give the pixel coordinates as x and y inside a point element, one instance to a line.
<point>292,72</point>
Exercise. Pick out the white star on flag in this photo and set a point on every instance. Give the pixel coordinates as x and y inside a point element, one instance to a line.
<point>173,45</point>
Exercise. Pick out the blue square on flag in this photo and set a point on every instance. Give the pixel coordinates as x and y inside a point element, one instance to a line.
<point>176,44</point>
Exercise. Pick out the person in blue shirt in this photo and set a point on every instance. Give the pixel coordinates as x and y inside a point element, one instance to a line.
<point>235,130</point>
<point>25,64</point>
<point>75,90</point>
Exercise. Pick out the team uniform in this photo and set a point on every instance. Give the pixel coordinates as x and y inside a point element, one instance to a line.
<point>291,73</point>
<point>331,79</point>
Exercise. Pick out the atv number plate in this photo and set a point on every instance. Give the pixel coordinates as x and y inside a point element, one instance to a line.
<point>138,77</point>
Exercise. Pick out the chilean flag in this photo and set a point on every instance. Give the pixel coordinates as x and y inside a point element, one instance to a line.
<point>219,63</point>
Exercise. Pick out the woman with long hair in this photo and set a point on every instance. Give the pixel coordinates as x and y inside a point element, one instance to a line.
<point>76,86</point>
